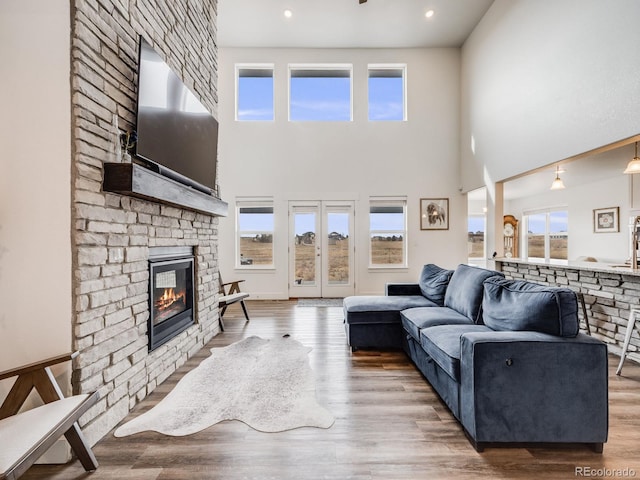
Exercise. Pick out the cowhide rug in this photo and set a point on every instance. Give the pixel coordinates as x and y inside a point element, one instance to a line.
<point>267,384</point>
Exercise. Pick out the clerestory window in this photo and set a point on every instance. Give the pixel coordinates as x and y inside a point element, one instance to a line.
<point>254,93</point>
<point>387,97</point>
<point>320,93</point>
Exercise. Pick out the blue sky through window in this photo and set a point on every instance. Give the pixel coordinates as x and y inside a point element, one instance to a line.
<point>558,222</point>
<point>386,221</point>
<point>255,222</point>
<point>476,224</point>
<point>537,223</point>
<point>320,95</point>
<point>386,98</point>
<point>255,98</point>
<point>336,222</point>
<point>320,99</point>
<point>305,222</point>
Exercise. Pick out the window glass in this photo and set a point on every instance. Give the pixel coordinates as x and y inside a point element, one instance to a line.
<point>547,235</point>
<point>255,236</point>
<point>386,94</point>
<point>339,248</point>
<point>536,229</point>
<point>304,247</point>
<point>475,239</point>
<point>387,226</point>
<point>558,235</point>
<point>255,94</point>
<point>320,94</point>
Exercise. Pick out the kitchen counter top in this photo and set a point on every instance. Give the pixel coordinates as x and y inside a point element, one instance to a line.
<point>619,268</point>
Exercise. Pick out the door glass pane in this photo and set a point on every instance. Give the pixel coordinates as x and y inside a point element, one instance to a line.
<point>537,225</point>
<point>305,248</point>
<point>475,239</point>
<point>558,229</point>
<point>338,254</point>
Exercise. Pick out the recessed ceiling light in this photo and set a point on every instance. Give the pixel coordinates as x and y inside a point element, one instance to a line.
<point>429,13</point>
<point>288,13</point>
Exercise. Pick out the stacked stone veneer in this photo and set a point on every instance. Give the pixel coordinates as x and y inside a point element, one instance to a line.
<point>608,298</point>
<point>113,233</point>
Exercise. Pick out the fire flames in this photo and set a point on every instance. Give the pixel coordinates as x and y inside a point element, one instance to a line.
<point>168,298</point>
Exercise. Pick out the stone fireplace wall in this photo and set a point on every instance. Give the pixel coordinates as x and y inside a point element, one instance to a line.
<point>112,234</point>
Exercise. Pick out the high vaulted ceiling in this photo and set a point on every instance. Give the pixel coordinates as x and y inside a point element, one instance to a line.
<point>347,24</point>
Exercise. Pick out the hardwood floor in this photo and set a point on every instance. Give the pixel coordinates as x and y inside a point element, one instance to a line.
<point>389,424</point>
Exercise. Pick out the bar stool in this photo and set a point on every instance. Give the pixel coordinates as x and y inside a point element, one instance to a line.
<point>584,312</point>
<point>630,326</point>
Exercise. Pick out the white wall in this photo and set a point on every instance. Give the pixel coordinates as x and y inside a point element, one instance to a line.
<point>544,81</point>
<point>580,202</point>
<point>346,160</point>
<point>581,198</point>
<point>35,178</point>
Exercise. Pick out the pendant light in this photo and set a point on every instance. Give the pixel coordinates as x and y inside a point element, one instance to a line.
<point>634,165</point>
<point>557,184</point>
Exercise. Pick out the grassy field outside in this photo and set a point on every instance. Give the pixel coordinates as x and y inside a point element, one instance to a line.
<point>305,262</point>
<point>384,252</point>
<point>257,253</point>
<point>475,245</point>
<point>558,246</point>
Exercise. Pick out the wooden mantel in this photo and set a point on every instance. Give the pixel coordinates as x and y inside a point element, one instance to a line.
<point>138,181</point>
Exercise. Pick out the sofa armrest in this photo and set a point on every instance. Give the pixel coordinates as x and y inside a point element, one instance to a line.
<point>533,387</point>
<point>392,289</point>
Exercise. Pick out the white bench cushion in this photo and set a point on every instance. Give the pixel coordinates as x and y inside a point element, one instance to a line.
<point>20,433</point>
<point>234,297</point>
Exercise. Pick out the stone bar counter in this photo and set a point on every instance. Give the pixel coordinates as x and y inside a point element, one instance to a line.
<point>609,290</point>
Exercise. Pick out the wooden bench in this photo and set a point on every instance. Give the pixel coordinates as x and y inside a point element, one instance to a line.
<point>229,297</point>
<point>26,436</point>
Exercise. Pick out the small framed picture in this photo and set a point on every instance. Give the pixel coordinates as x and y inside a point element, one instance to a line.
<point>434,214</point>
<point>606,220</point>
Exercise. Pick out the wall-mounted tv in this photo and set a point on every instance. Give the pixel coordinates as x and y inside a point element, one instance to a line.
<point>177,135</point>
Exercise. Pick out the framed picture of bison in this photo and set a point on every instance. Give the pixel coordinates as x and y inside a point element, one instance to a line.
<point>434,214</point>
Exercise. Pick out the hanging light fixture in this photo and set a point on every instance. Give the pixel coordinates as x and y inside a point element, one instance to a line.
<point>634,165</point>
<point>557,184</point>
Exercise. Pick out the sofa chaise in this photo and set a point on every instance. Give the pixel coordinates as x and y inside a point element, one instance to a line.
<point>505,356</point>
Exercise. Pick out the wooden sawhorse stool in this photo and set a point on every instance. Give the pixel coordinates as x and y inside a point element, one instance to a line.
<point>584,312</point>
<point>26,436</point>
<point>230,297</point>
<point>627,338</point>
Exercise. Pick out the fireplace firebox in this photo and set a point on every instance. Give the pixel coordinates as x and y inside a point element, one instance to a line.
<point>171,294</point>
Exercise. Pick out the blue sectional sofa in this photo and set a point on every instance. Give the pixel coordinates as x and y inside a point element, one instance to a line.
<point>506,356</point>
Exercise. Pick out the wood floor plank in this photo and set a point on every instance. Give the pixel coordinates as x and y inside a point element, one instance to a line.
<point>390,424</point>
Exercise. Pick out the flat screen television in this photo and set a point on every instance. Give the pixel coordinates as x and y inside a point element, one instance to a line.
<point>176,135</point>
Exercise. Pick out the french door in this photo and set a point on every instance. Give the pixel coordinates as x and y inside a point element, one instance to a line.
<point>321,249</point>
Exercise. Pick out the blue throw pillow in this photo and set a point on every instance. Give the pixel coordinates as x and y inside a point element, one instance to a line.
<point>518,305</point>
<point>433,283</point>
